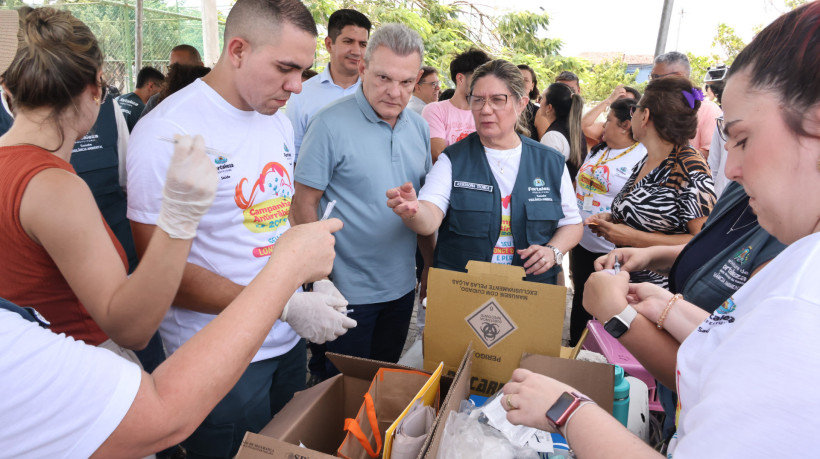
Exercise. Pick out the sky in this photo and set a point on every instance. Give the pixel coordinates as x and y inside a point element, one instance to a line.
<point>631,26</point>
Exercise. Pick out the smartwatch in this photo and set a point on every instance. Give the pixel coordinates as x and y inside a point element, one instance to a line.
<point>562,409</point>
<point>619,323</point>
<point>558,255</point>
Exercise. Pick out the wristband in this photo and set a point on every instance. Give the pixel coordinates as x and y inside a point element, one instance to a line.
<point>569,418</point>
<point>666,310</point>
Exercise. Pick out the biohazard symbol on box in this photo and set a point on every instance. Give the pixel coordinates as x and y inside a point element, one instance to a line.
<point>491,323</point>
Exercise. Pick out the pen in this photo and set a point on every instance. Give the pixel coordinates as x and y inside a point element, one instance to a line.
<point>616,266</point>
<point>328,209</point>
<point>208,149</point>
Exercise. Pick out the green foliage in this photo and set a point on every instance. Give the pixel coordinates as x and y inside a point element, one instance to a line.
<point>699,65</point>
<point>602,78</point>
<point>729,42</point>
<point>520,31</point>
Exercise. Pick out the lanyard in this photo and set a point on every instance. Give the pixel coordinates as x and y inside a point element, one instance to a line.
<point>606,153</point>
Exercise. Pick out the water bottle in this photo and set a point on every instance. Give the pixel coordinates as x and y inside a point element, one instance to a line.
<point>620,406</point>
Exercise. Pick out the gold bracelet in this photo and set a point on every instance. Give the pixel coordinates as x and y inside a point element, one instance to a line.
<point>666,310</point>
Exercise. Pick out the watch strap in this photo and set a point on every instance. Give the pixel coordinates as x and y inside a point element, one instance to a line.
<point>556,252</point>
<point>580,399</point>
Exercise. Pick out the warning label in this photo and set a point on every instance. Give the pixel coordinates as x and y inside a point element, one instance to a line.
<point>491,323</point>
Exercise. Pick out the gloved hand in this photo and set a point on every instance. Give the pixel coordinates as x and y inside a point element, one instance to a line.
<point>313,316</point>
<point>328,288</point>
<point>190,187</point>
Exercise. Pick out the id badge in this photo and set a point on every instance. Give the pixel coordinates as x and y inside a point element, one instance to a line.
<point>588,202</point>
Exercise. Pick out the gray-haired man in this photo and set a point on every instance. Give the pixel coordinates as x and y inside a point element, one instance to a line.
<point>353,150</point>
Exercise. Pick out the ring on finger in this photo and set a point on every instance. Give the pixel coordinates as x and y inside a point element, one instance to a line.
<point>509,403</point>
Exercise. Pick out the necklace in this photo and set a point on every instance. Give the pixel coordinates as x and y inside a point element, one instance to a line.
<point>501,163</point>
<point>738,220</point>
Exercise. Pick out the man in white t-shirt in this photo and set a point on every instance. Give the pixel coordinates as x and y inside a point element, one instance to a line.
<point>235,108</point>
<point>451,120</point>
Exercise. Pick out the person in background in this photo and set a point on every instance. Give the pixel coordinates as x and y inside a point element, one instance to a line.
<point>308,74</point>
<point>451,120</point>
<point>672,64</point>
<point>149,82</point>
<point>426,90</point>
<point>594,129</point>
<point>600,178</point>
<point>447,94</point>
<point>180,76</point>
<point>772,107</point>
<point>570,79</point>
<point>238,233</point>
<point>347,34</point>
<point>670,192</point>
<point>531,84</point>
<point>473,196</point>
<point>353,150</point>
<point>180,54</point>
<point>558,122</point>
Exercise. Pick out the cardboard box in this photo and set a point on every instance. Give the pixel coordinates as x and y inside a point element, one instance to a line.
<point>596,380</point>
<point>315,416</point>
<point>501,314</point>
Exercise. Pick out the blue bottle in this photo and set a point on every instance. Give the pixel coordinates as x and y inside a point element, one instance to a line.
<point>620,406</point>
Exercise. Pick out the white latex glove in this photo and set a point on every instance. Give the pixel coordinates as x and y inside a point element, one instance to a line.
<point>326,286</point>
<point>313,316</point>
<point>190,187</point>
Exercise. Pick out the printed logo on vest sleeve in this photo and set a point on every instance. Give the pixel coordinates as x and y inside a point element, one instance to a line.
<point>491,323</point>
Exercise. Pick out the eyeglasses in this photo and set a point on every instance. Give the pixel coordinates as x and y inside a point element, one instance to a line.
<point>497,102</point>
<point>721,126</point>
<point>632,109</point>
<point>655,76</point>
<point>433,84</point>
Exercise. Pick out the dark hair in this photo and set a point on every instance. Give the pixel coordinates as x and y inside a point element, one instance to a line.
<point>467,62</point>
<point>179,76</point>
<point>192,52</point>
<point>426,71</point>
<point>566,75</point>
<point>534,93</point>
<point>251,19</point>
<point>717,88</point>
<point>568,107</point>
<point>343,18</point>
<point>674,119</point>
<point>57,59</point>
<point>622,109</point>
<point>783,59</point>
<point>635,93</point>
<point>147,74</point>
<point>512,79</point>
<point>308,74</point>
<point>447,94</point>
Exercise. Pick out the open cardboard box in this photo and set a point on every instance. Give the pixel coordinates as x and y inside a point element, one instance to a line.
<point>315,416</point>
<point>501,314</point>
<point>596,380</point>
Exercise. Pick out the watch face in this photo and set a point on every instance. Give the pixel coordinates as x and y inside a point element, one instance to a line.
<point>615,327</point>
<point>557,410</point>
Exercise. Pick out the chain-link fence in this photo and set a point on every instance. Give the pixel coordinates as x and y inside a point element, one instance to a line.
<point>165,25</point>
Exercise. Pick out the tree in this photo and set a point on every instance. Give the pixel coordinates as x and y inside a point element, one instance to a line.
<point>728,41</point>
<point>602,78</point>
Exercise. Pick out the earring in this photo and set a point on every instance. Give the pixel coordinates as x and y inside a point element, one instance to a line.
<point>97,100</point>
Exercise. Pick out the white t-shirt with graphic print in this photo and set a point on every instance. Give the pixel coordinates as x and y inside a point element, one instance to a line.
<point>747,375</point>
<point>439,184</point>
<point>255,168</point>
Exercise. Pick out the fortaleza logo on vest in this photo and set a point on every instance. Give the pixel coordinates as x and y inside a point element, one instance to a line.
<point>743,256</point>
<point>538,182</point>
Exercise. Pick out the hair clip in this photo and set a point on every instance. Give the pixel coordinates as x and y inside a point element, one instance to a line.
<point>692,95</point>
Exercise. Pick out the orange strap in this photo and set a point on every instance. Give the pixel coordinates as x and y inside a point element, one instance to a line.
<point>353,427</point>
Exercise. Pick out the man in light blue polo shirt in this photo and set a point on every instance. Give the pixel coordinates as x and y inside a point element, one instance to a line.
<point>347,34</point>
<point>355,149</point>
